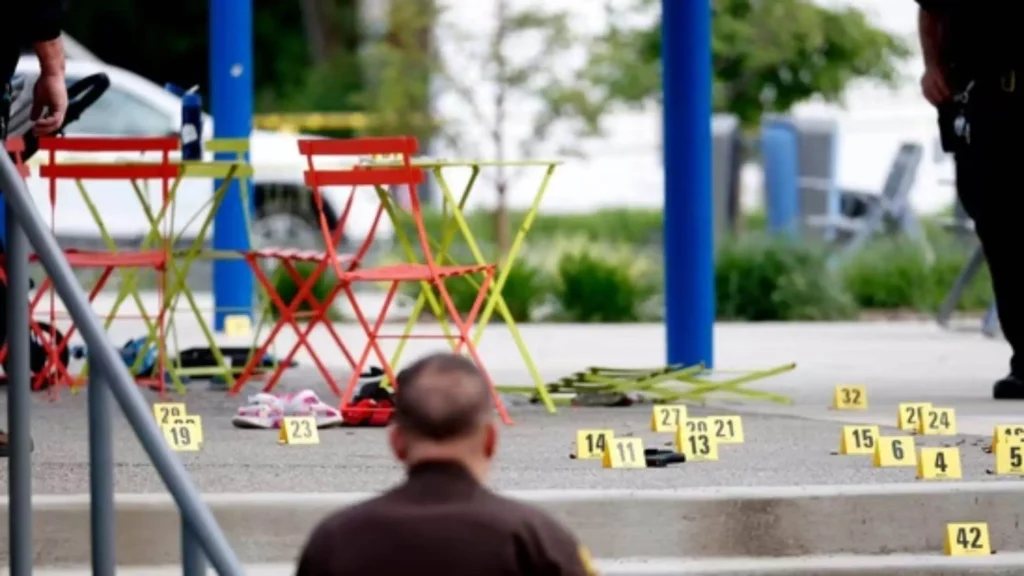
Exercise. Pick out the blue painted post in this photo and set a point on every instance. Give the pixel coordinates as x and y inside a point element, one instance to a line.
<point>231,88</point>
<point>689,217</point>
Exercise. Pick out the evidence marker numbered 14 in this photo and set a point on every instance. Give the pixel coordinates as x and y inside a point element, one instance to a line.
<point>591,444</point>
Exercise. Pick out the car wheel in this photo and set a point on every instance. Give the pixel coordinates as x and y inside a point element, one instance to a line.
<point>286,217</point>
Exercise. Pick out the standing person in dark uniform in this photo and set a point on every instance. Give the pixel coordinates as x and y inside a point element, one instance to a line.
<point>974,76</point>
<point>443,520</point>
<point>36,23</point>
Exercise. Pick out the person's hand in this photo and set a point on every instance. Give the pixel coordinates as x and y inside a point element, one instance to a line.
<point>933,85</point>
<point>51,95</point>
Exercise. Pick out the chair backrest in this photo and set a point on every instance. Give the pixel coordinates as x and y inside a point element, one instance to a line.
<point>903,172</point>
<point>817,151</point>
<point>15,146</point>
<point>79,170</point>
<point>402,173</point>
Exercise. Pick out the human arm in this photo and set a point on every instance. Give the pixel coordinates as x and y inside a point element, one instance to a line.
<point>42,24</point>
<point>930,21</point>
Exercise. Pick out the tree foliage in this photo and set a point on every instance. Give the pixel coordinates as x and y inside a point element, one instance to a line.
<point>767,55</point>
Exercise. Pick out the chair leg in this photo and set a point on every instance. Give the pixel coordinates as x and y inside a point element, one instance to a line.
<point>967,274</point>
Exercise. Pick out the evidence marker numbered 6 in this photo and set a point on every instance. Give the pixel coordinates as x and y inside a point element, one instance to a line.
<point>892,451</point>
<point>591,444</point>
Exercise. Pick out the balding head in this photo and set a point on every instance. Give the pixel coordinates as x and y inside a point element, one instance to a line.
<point>443,411</point>
<point>442,397</point>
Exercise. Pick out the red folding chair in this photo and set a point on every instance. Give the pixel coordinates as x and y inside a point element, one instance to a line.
<point>15,146</point>
<point>107,261</point>
<point>405,175</point>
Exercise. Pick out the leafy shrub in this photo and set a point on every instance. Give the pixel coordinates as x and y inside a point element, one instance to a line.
<point>894,273</point>
<point>524,290</point>
<point>760,279</point>
<point>288,289</point>
<point>595,289</point>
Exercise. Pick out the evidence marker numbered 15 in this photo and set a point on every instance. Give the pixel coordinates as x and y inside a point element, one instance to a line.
<point>858,439</point>
<point>850,397</point>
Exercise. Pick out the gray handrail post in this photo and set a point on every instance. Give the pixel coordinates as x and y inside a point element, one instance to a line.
<point>101,475</point>
<point>188,499</point>
<point>193,563</point>
<point>19,395</point>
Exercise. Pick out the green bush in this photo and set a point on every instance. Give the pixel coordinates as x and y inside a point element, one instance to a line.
<point>524,290</point>
<point>594,289</point>
<point>761,279</point>
<point>288,289</point>
<point>894,273</point>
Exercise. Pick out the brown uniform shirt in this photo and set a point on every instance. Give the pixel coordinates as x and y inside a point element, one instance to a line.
<point>441,520</point>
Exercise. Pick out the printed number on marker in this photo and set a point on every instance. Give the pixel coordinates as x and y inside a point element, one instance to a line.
<point>969,538</point>
<point>301,429</point>
<point>863,438</point>
<point>851,396</point>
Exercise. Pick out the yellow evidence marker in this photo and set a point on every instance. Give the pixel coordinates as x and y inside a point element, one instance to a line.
<point>624,453</point>
<point>696,425</point>
<point>238,326</point>
<point>939,464</point>
<point>937,422</point>
<point>726,429</point>
<point>196,422</point>
<point>859,440</point>
<point>1009,459</point>
<point>909,414</point>
<point>667,418</point>
<point>895,451</point>
<point>166,412</point>
<point>850,397</point>
<point>1007,434</point>
<point>182,436</point>
<point>967,539</point>
<point>697,446</point>
<point>592,443</point>
<point>299,430</point>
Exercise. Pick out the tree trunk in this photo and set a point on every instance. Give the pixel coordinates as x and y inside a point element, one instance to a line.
<point>316,35</point>
<point>501,232</point>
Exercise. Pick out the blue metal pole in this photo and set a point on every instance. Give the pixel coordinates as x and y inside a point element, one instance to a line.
<point>689,218</point>
<point>231,89</point>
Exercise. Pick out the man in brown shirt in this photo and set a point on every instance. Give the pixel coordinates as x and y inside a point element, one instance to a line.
<point>443,519</point>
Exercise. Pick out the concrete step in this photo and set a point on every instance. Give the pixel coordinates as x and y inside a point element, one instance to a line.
<point>1006,564</point>
<point>694,524</point>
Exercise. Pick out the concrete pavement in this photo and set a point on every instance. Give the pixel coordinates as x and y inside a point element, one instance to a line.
<point>786,446</point>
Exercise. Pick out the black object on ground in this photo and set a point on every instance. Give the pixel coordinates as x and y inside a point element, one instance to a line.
<point>657,458</point>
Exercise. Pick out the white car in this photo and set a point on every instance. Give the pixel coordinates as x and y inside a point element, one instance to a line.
<point>285,212</point>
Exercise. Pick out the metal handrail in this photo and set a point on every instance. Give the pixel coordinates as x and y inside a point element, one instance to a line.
<point>202,538</point>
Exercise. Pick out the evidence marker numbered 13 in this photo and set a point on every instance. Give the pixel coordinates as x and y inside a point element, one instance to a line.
<point>850,397</point>
<point>909,414</point>
<point>697,446</point>
<point>667,417</point>
<point>591,444</point>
